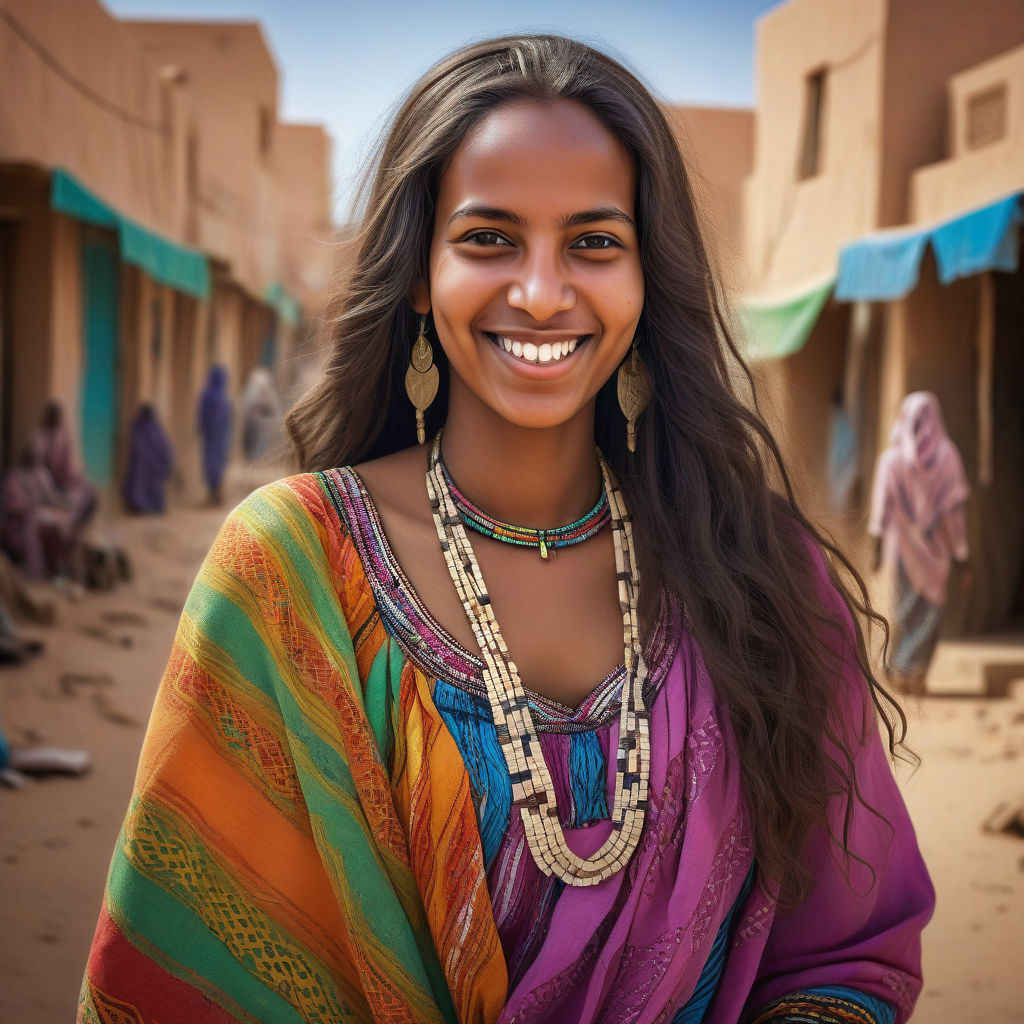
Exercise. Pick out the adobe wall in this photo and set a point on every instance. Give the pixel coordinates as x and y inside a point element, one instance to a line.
<point>794,227</point>
<point>302,160</point>
<point>718,148</point>
<point>26,207</point>
<point>127,155</point>
<point>927,41</point>
<point>234,80</point>
<point>973,177</point>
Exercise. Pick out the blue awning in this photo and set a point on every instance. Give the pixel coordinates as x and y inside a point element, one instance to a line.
<point>984,239</point>
<point>165,261</point>
<point>886,265</point>
<point>880,267</point>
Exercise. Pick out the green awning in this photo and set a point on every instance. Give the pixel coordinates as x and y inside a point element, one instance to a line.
<point>774,329</point>
<point>284,303</point>
<point>165,261</point>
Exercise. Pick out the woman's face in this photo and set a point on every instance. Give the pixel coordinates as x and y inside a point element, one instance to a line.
<point>535,281</point>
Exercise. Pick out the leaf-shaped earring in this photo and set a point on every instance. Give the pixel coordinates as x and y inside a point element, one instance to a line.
<point>421,379</point>
<point>634,389</point>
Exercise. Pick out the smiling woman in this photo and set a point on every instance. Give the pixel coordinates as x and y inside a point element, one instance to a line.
<point>562,714</point>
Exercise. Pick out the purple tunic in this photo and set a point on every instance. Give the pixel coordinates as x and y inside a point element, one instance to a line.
<point>635,947</point>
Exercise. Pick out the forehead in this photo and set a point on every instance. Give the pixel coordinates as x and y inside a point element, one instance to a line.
<point>540,155</point>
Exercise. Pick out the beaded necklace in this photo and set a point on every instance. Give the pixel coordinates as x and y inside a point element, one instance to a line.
<point>587,526</point>
<point>532,789</point>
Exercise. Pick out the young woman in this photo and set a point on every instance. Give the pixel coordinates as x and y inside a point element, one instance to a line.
<point>504,725</point>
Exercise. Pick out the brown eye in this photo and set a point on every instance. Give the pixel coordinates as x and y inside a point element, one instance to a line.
<point>596,243</point>
<point>486,238</point>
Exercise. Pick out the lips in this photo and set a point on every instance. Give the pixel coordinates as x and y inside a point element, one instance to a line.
<point>536,351</point>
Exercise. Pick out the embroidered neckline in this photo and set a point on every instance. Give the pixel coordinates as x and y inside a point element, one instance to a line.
<point>437,653</point>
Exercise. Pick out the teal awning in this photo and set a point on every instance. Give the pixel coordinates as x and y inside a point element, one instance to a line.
<point>165,261</point>
<point>774,329</point>
<point>284,303</point>
<point>886,265</point>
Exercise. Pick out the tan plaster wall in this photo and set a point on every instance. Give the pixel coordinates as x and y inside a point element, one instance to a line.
<point>67,358</point>
<point>233,77</point>
<point>972,177</point>
<point>25,206</point>
<point>302,162</point>
<point>46,121</point>
<point>793,228</point>
<point>927,41</point>
<point>718,148</point>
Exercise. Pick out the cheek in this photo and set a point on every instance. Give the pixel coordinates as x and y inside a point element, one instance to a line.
<point>459,289</point>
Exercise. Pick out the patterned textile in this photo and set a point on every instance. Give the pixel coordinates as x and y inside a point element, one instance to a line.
<point>917,622</point>
<point>314,837</point>
<point>827,1006</point>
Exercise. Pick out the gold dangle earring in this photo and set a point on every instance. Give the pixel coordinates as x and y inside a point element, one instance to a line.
<point>634,388</point>
<point>421,379</point>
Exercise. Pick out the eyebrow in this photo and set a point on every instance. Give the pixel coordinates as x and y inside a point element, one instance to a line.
<point>571,221</point>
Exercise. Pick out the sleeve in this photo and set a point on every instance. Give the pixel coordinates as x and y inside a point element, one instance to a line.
<point>851,951</point>
<point>221,904</point>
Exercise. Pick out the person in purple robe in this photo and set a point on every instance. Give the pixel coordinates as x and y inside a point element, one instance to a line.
<point>150,462</point>
<point>54,450</point>
<point>215,429</point>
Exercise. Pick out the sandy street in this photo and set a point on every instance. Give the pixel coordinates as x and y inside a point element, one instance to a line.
<point>94,687</point>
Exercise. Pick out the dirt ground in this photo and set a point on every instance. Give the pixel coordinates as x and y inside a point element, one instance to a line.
<point>94,687</point>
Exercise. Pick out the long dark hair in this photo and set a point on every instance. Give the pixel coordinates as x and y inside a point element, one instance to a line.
<point>707,482</point>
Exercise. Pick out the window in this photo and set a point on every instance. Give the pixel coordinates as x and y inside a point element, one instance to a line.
<point>809,162</point>
<point>986,116</point>
<point>266,131</point>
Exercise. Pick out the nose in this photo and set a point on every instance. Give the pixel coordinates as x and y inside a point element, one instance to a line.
<point>541,287</point>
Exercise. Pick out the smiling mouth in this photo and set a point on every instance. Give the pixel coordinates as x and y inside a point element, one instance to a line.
<point>534,354</point>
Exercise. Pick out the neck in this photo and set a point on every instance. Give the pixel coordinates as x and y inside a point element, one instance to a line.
<point>535,477</point>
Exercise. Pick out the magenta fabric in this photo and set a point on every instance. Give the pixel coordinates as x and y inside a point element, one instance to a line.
<point>917,502</point>
<point>632,948</point>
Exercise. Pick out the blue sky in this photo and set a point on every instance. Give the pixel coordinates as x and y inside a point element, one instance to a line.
<point>344,64</point>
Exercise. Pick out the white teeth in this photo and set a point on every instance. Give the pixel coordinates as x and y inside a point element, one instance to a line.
<point>538,354</point>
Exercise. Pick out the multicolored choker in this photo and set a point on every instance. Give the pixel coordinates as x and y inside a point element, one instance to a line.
<point>583,529</point>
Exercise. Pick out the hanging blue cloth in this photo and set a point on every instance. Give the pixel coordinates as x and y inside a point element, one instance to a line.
<point>985,239</point>
<point>880,268</point>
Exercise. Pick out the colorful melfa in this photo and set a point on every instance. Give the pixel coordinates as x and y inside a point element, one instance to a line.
<point>321,827</point>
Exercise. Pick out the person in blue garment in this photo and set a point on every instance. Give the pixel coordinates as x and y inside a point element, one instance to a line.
<point>215,428</point>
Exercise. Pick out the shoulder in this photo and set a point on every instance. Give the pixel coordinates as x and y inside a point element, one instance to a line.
<point>396,485</point>
<point>290,521</point>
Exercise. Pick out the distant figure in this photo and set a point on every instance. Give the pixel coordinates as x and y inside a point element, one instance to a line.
<point>37,530</point>
<point>261,414</point>
<point>843,456</point>
<point>150,461</point>
<point>53,447</point>
<point>215,428</point>
<point>918,515</point>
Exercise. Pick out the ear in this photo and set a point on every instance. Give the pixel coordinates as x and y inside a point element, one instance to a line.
<point>420,298</point>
